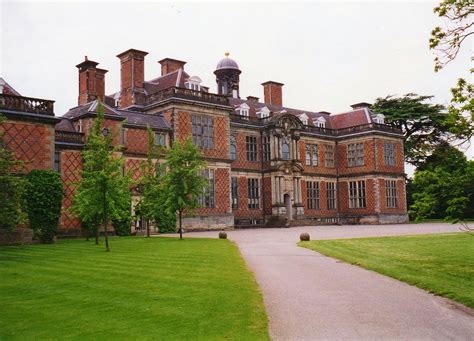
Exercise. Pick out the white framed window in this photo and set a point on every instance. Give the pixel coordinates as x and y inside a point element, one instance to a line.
<point>80,128</point>
<point>194,83</point>
<point>379,119</point>
<point>304,119</point>
<point>320,122</point>
<point>391,193</point>
<point>263,113</point>
<point>357,197</point>
<point>243,110</point>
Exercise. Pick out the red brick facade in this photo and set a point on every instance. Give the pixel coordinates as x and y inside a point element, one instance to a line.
<point>280,138</point>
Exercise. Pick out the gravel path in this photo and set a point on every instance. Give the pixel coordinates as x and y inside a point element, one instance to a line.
<point>311,297</point>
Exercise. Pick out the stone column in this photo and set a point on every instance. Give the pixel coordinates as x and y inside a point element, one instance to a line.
<point>300,197</point>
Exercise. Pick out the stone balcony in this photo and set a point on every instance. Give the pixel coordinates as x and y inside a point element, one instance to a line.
<point>26,105</point>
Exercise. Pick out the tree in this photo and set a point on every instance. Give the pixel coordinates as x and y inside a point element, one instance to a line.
<point>444,186</point>
<point>446,42</point>
<point>104,189</point>
<point>424,125</point>
<point>43,197</point>
<point>11,189</point>
<point>153,194</point>
<point>183,183</point>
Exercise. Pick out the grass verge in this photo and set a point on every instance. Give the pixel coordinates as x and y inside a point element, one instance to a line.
<point>145,288</point>
<point>441,263</point>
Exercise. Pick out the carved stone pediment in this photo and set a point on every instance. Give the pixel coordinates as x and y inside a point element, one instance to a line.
<point>290,167</point>
<point>287,123</point>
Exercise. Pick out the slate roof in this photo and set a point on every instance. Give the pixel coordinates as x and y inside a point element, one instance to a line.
<point>175,78</point>
<point>65,125</point>
<point>141,119</point>
<point>351,118</point>
<point>7,89</point>
<point>156,121</point>
<point>343,120</point>
<point>257,106</point>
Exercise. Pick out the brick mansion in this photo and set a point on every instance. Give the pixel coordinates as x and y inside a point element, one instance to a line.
<point>267,164</point>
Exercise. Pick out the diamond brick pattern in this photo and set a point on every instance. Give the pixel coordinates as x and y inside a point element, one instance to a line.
<point>71,165</point>
<point>136,141</point>
<point>30,143</point>
<point>133,167</point>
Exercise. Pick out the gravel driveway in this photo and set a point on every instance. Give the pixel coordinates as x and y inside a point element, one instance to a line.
<point>309,296</point>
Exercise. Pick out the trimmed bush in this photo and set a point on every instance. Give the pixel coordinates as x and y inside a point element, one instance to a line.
<point>222,235</point>
<point>11,192</point>
<point>43,196</point>
<point>122,226</point>
<point>304,237</point>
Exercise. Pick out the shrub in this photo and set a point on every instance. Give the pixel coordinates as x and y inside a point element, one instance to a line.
<point>43,196</point>
<point>122,226</point>
<point>222,235</point>
<point>11,214</point>
<point>304,237</point>
<point>166,223</point>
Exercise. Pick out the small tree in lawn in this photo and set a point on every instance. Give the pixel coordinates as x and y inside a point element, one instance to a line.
<point>151,183</point>
<point>103,190</point>
<point>183,182</point>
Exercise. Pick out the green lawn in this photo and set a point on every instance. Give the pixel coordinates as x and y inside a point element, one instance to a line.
<point>442,264</point>
<point>145,288</point>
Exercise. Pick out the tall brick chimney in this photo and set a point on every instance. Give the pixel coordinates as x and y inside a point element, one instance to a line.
<point>169,65</point>
<point>272,93</point>
<point>132,76</point>
<point>91,82</point>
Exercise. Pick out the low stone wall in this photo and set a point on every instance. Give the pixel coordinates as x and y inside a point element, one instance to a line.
<point>21,236</point>
<point>375,219</point>
<point>393,218</point>
<point>208,223</point>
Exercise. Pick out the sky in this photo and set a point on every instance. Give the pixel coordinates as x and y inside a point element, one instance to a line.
<point>329,55</point>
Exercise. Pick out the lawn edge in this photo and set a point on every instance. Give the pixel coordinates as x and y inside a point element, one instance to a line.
<point>450,301</point>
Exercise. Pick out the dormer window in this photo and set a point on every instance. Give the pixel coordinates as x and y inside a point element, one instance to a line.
<point>320,122</point>
<point>263,113</point>
<point>194,83</point>
<point>304,119</point>
<point>243,111</point>
<point>79,126</point>
<point>379,118</point>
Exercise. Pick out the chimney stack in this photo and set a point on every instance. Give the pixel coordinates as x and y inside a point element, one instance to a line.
<point>91,82</point>
<point>132,76</point>
<point>169,65</point>
<point>360,105</point>
<point>252,99</point>
<point>272,93</point>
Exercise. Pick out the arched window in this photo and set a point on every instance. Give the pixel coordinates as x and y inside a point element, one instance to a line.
<point>285,151</point>
<point>233,148</point>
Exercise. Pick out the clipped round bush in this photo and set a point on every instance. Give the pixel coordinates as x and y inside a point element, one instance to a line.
<point>304,237</point>
<point>222,235</point>
<point>43,196</point>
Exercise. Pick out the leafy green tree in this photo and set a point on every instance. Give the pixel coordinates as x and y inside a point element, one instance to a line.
<point>444,186</point>
<point>11,189</point>
<point>104,189</point>
<point>183,183</point>
<point>447,41</point>
<point>153,202</point>
<point>43,197</point>
<point>424,125</point>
